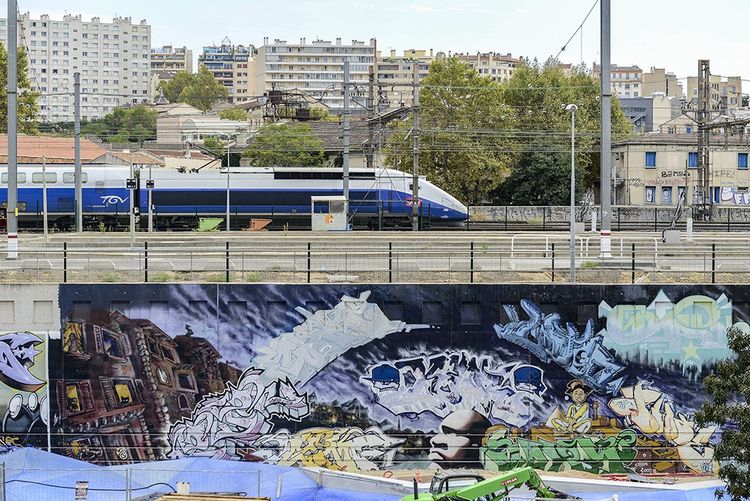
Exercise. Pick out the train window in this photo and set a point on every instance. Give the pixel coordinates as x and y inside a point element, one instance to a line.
<point>36,177</point>
<point>69,177</point>
<point>20,179</point>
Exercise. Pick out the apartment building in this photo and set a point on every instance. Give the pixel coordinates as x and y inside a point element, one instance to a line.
<point>658,80</point>
<point>649,113</point>
<point>497,66</point>
<point>316,69</point>
<point>233,66</point>
<point>114,60</point>
<point>726,92</point>
<point>171,59</point>
<point>395,75</point>
<point>655,169</point>
<point>625,80</point>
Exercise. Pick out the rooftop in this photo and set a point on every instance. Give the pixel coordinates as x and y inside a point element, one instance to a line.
<point>53,150</point>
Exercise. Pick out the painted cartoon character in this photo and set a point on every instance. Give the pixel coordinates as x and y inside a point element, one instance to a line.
<point>576,420</point>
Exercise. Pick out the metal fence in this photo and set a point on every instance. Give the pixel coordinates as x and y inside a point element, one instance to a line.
<point>518,259</point>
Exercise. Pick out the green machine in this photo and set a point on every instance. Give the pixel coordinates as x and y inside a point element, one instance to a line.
<point>476,488</point>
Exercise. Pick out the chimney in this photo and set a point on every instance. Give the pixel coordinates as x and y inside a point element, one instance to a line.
<point>430,53</point>
<point>338,41</point>
<point>304,41</point>
<point>265,40</point>
<point>393,52</point>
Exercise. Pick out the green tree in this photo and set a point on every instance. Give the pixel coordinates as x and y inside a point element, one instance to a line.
<point>172,88</point>
<point>729,386</point>
<point>204,91</point>
<point>539,94</point>
<point>215,146</point>
<point>541,176</point>
<point>136,124</point>
<point>285,145</point>
<point>233,114</point>
<point>463,126</point>
<point>27,97</point>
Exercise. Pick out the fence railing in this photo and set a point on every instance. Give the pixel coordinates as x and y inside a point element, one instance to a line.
<point>543,259</point>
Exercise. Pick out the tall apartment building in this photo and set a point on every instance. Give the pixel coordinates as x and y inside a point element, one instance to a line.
<point>395,74</point>
<point>113,59</point>
<point>658,80</point>
<point>625,80</point>
<point>316,69</point>
<point>233,66</point>
<point>726,92</point>
<point>499,67</point>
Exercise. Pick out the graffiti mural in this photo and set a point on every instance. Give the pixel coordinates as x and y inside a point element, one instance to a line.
<point>23,390</point>
<point>386,377</point>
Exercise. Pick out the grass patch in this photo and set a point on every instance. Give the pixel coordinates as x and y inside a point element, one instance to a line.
<point>161,276</point>
<point>253,276</point>
<point>590,265</point>
<point>110,277</point>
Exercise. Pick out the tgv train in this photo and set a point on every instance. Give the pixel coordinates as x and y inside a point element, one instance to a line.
<point>378,198</point>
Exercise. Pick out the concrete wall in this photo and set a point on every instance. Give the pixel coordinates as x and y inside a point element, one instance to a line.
<point>602,379</point>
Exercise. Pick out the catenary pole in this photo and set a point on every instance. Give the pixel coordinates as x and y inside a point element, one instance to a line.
<point>12,209</point>
<point>347,132</point>
<point>77,150</point>
<point>605,172</point>
<point>415,152</point>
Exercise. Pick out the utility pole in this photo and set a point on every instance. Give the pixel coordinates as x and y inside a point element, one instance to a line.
<point>78,170</point>
<point>370,114</point>
<point>605,172</point>
<point>703,197</point>
<point>415,152</point>
<point>347,131</point>
<point>12,209</point>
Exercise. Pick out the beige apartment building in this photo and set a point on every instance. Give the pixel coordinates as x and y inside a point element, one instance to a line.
<point>654,169</point>
<point>726,92</point>
<point>233,66</point>
<point>658,80</point>
<point>166,62</point>
<point>395,75</point>
<point>114,60</point>
<point>497,66</point>
<point>625,80</point>
<point>316,69</point>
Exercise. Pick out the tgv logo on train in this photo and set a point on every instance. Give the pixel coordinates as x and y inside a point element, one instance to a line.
<point>113,200</point>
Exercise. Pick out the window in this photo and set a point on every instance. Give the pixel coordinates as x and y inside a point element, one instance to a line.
<point>651,159</point>
<point>20,178</point>
<point>650,194</point>
<point>69,177</point>
<point>163,375</point>
<point>742,160</point>
<point>666,195</point>
<point>37,177</point>
<point>693,159</point>
<point>185,381</point>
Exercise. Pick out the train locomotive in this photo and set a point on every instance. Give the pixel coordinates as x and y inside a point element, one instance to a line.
<point>379,198</point>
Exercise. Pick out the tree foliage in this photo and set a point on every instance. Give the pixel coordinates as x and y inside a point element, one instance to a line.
<point>27,97</point>
<point>201,89</point>
<point>285,145</point>
<point>458,107</point>
<point>233,114</point>
<point>136,124</point>
<point>539,94</point>
<point>730,388</point>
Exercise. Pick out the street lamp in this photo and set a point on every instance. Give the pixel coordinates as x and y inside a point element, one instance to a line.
<point>229,161</point>
<point>572,108</point>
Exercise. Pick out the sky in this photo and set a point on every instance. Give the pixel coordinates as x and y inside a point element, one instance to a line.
<point>671,34</point>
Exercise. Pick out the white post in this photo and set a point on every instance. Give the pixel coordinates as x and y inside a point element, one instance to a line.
<point>44,199</point>
<point>572,108</point>
<point>132,203</point>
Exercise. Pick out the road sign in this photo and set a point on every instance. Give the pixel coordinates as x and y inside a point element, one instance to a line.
<point>131,183</point>
<point>150,184</point>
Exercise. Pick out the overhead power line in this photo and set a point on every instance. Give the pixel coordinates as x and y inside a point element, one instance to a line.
<point>580,27</point>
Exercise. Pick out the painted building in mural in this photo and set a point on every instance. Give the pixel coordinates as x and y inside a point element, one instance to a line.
<point>388,377</point>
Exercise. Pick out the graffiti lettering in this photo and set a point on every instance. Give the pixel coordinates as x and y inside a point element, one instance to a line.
<point>592,454</point>
<point>17,353</point>
<point>582,354</point>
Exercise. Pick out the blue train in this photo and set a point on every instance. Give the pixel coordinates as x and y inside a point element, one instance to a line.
<point>378,198</point>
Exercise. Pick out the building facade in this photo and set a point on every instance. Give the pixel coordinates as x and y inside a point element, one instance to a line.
<point>114,60</point>
<point>171,59</point>
<point>316,69</point>
<point>233,66</point>
<point>395,75</point>
<point>655,169</point>
<point>726,92</point>
<point>499,67</point>
<point>649,113</point>
<point>625,80</point>
<point>658,80</point>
